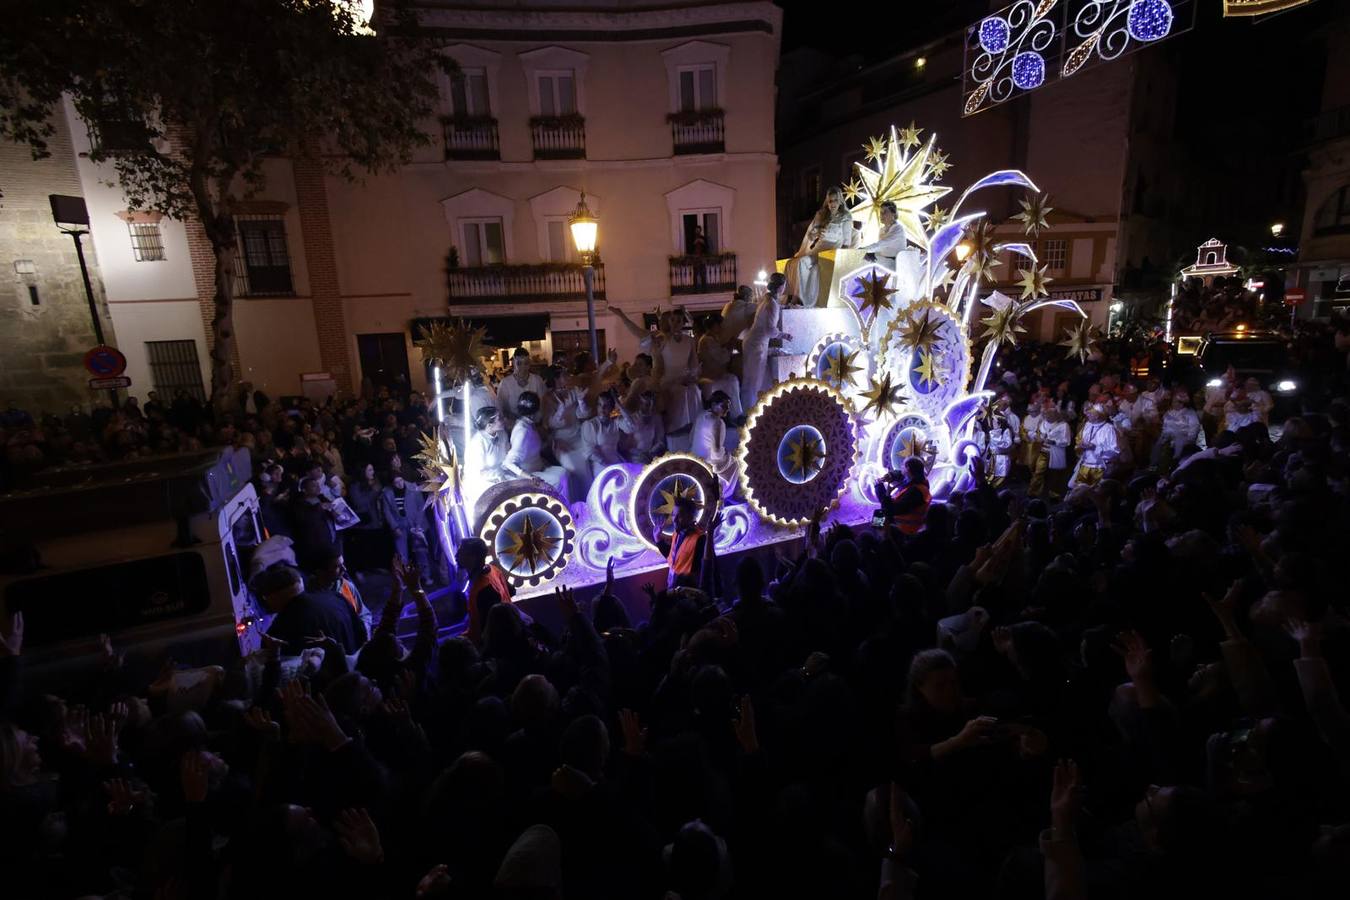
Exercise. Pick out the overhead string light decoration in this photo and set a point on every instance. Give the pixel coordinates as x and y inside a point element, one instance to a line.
<point>1006,53</point>
<point>1102,30</point>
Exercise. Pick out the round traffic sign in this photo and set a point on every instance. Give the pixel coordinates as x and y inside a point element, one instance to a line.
<point>105,362</point>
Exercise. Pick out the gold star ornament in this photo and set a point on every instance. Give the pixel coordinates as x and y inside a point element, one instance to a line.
<point>938,165</point>
<point>839,366</point>
<point>872,293</point>
<point>911,445</point>
<point>455,347</point>
<point>920,330</point>
<point>851,190</point>
<point>438,466</point>
<point>1035,208</point>
<point>983,258</point>
<point>875,148</point>
<point>882,397</point>
<point>530,544</point>
<point>1003,324</point>
<point>806,455</point>
<point>937,217</point>
<point>929,369</point>
<point>903,181</point>
<point>909,137</point>
<point>681,487</point>
<point>1079,340</point>
<point>1033,282</point>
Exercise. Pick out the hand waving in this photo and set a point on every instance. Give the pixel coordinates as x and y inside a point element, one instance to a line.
<point>1065,796</point>
<point>358,836</point>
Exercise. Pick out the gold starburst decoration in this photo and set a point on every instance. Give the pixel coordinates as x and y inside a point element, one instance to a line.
<point>928,369</point>
<point>530,544</point>
<point>983,258</point>
<point>1033,282</point>
<point>938,165</point>
<point>872,293</point>
<point>840,368</point>
<point>1003,324</point>
<point>851,190</point>
<point>920,330</point>
<point>457,348</point>
<point>438,466</point>
<point>806,455</point>
<point>875,148</point>
<point>909,137</point>
<point>1035,207</point>
<point>680,488</point>
<point>1079,340</point>
<point>946,280</point>
<point>882,397</point>
<point>937,217</point>
<point>911,445</point>
<point>903,181</point>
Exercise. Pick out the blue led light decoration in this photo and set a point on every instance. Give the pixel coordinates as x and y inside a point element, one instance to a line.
<point>1028,70</point>
<point>994,34</point>
<point>1149,20</point>
<point>1103,30</point>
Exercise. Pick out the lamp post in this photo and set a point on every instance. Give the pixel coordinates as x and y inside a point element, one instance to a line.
<point>584,228</point>
<point>72,211</point>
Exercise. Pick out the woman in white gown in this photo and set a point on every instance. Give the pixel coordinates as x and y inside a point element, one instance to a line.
<point>709,442</point>
<point>767,325</point>
<point>831,229</point>
<point>525,458</point>
<point>483,461</point>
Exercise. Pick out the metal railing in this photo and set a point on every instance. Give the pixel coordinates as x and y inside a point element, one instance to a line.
<point>558,137</point>
<point>713,273</point>
<point>523,283</point>
<point>471,137</point>
<point>1327,125</point>
<point>698,131</point>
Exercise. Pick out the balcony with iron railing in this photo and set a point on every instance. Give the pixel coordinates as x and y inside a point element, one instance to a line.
<point>558,137</point>
<point>713,273</point>
<point>1327,125</point>
<point>522,283</point>
<point>698,131</point>
<point>471,137</point>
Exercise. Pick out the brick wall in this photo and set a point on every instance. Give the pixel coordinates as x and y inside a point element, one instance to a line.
<point>42,347</point>
<point>316,230</point>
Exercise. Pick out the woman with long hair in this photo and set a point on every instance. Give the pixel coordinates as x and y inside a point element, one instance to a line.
<point>830,229</point>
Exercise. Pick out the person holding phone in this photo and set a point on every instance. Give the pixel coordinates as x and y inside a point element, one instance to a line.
<point>905,497</point>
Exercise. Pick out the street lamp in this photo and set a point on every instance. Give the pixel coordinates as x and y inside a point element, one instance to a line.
<point>72,211</point>
<point>1277,229</point>
<point>584,227</point>
<point>963,250</point>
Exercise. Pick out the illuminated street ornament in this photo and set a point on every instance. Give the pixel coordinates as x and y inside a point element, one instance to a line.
<point>1149,20</point>
<point>1028,70</point>
<point>801,454</point>
<point>994,34</point>
<point>530,536</point>
<point>1258,7</point>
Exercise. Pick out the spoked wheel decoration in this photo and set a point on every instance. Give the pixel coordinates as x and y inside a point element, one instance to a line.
<point>665,480</point>
<point>530,536</point>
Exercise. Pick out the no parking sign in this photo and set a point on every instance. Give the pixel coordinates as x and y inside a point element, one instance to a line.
<point>105,362</point>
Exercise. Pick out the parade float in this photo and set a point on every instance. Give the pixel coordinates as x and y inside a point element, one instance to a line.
<point>881,368</point>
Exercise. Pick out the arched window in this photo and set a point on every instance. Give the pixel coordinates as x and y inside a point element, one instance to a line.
<point>1211,258</point>
<point>1333,216</point>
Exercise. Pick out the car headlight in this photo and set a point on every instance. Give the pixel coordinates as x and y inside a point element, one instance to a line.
<point>1287,386</point>
<point>1214,382</point>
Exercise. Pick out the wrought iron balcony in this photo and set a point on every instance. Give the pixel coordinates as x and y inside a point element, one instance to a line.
<point>711,274</point>
<point>558,137</point>
<point>471,137</point>
<point>522,283</point>
<point>1327,125</point>
<point>698,131</point>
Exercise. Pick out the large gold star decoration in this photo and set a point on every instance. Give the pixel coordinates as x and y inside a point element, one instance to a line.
<point>983,258</point>
<point>946,280</point>
<point>851,190</point>
<point>439,467</point>
<point>928,369</point>
<point>530,544</point>
<point>680,487</point>
<point>937,217</point>
<point>1033,282</point>
<point>909,137</point>
<point>1079,340</point>
<point>875,148</point>
<point>1035,208</point>
<point>839,366</point>
<point>806,455</point>
<point>882,397</point>
<point>938,165</point>
<point>911,445</point>
<point>903,181</point>
<point>456,348</point>
<point>1003,324</point>
<point>920,330</point>
<point>872,293</point>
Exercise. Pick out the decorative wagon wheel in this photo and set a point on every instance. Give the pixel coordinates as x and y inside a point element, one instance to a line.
<point>661,483</point>
<point>530,536</point>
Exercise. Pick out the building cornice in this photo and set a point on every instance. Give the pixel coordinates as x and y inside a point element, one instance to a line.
<point>601,25</point>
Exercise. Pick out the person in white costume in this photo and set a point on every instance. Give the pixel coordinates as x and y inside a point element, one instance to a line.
<point>483,461</point>
<point>520,380</point>
<point>1181,427</point>
<point>525,459</point>
<point>1119,414</point>
<point>570,408</point>
<point>831,229</point>
<point>767,325</point>
<point>709,442</point>
<point>714,368</point>
<point>889,243</point>
<point>647,441</point>
<point>601,433</point>
<point>737,315</point>
<point>1239,412</point>
<point>1098,445</point>
<point>1052,461</point>
<point>1262,402</point>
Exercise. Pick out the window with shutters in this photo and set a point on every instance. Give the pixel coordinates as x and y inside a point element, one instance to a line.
<point>263,262</point>
<point>698,87</point>
<point>469,93</point>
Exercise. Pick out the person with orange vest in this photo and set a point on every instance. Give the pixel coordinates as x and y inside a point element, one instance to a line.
<point>906,504</point>
<point>487,584</point>
<point>685,549</point>
<point>332,575</point>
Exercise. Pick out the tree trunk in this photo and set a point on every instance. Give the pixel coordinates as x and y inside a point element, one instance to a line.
<point>222,326</point>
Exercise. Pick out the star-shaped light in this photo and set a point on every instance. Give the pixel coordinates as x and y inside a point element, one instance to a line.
<point>439,467</point>
<point>1003,324</point>
<point>1035,207</point>
<point>872,293</point>
<point>909,137</point>
<point>946,280</point>
<point>1033,282</point>
<point>903,181</point>
<point>839,366</point>
<point>911,445</point>
<point>530,544</point>
<point>929,369</point>
<point>937,217</point>
<point>875,148</point>
<point>806,455</point>
<point>456,348</point>
<point>983,258</point>
<point>1078,340</point>
<point>920,330</point>
<point>851,190</point>
<point>882,397</point>
<point>938,165</point>
<point>680,488</point>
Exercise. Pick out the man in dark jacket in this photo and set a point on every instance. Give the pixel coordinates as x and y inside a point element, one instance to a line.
<point>315,532</point>
<point>302,616</point>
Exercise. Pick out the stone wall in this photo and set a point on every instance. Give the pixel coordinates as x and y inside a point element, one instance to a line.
<point>42,344</point>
